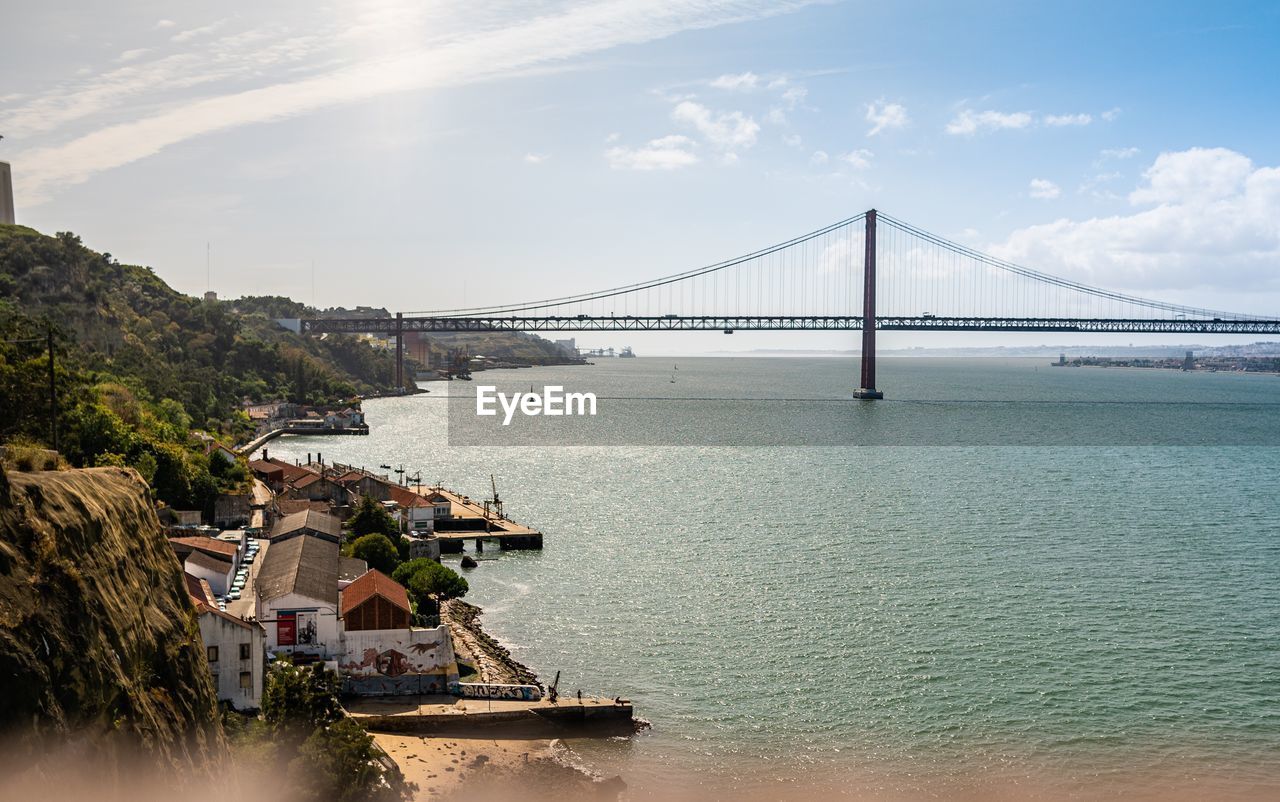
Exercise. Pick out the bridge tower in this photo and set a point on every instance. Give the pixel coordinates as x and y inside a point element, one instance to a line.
<point>867,390</point>
<point>399,352</point>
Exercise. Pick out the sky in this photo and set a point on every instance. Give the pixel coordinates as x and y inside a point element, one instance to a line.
<point>422,155</point>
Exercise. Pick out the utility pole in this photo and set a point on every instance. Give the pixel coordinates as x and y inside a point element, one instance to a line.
<point>53,393</point>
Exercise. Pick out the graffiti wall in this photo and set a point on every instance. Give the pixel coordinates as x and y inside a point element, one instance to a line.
<point>490,690</point>
<point>394,662</point>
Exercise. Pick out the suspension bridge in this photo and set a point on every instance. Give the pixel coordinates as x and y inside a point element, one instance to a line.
<point>869,273</point>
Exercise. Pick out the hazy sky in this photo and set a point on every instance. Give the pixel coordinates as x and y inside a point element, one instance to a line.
<point>435,154</point>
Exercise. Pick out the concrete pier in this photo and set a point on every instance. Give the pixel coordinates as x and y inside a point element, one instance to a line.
<point>436,715</point>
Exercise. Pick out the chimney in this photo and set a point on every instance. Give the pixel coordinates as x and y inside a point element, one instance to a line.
<point>308,457</point>
<point>6,195</point>
<point>264,455</point>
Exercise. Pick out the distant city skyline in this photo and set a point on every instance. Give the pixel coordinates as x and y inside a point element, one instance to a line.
<point>437,155</point>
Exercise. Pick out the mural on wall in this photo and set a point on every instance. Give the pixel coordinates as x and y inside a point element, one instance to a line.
<point>397,662</point>
<point>490,690</point>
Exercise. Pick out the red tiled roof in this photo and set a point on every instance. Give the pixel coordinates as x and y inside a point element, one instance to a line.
<point>209,545</point>
<point>374,583</point>
<point>407,498</point>
<point>305,481</point>
<point>264,466</point>
<point>196,587</point>
<point>291,471</point>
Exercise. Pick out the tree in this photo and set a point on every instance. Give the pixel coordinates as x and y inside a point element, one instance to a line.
<point>378,551</point>
<point>430,583</point>
<point>297,700</point>
<point>340,763</point>
<point>370,516</point>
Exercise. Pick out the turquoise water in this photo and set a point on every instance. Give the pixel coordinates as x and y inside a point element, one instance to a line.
<point>899,619</point>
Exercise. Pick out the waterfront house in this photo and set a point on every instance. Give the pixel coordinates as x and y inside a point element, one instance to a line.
<point>296,597</point>
<point>375,601</point>
<point>307,522</point>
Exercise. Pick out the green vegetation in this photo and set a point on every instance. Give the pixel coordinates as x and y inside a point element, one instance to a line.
<point>429,583</point>
<point>139,365</point>
<point>330,756</point>
<point>378,551</point>
<point>370,517</point>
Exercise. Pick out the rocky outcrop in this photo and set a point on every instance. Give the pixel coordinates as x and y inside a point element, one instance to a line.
<point>491,659</point>
<point>99,643</point>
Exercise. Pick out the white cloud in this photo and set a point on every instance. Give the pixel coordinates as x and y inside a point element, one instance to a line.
<point>132,55</point>
<point>794,96</point>
<point>744,82</point>
<point>165,23</point>
<point>1117,153</point>
<point>1060,120</point>
<point>1215,224</point>
<point>194,33</point>
<point>730,131</point>
<point>969,122</point>
<point>667,153</point>
<point>776,116</point>
<point>885,116</point>
<point>858,159</point>
<point>613,137</point>
<point>1095,185</point>
<point>1110,114</point>
<point>535,158</point>
<point>312,73</point>
<point>1198,175</point>
<point>793,140</point>
<point>1044,189</point>
<point>819,157</point>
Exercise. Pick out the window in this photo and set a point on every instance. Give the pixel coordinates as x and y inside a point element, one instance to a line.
<point>245,652</point>
<point>213,654</point>
<point>246,679</point>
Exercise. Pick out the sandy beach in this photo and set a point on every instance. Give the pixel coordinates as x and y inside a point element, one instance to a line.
<point>453,768</point>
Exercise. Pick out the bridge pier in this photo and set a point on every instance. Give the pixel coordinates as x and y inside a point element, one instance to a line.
<point>867,390</point>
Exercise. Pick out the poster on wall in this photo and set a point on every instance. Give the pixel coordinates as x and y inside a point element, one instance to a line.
<point>286,629</point>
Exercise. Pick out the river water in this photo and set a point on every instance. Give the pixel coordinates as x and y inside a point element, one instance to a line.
<point>924,617</point>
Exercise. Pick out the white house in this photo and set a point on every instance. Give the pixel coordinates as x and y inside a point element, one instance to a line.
<point>215,570</point>
<point>296,597</point>
<point>235,651</point>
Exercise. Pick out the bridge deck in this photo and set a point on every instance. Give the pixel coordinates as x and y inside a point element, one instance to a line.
<point>788,323</point>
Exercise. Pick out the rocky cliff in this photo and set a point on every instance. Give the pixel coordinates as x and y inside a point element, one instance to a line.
<point>99,644</point>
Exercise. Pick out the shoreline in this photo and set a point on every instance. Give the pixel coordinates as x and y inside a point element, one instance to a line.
<point>478,765</point>
<point>491,660</point>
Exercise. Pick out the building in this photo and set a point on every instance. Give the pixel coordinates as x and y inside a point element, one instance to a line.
<point>315,487</point>
<point>375,601</point>
<point>382,654</point>
<point>296,597</point>
<point>217,571</point>
<point>235,650</point>
<point>211,559</point>
<point>6,195</point>
<point>307,522</point>
<point>350,569</point>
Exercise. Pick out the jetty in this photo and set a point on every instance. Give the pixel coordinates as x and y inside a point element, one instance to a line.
<point>470,520</point>
<point>437,715</point>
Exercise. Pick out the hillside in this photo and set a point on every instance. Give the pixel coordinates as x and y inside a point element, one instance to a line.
<point>98,637</point>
